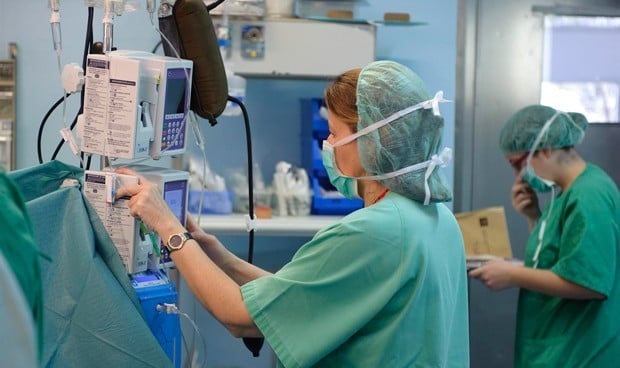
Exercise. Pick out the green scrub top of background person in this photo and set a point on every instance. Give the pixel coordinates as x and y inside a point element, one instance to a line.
<point>581,244</point>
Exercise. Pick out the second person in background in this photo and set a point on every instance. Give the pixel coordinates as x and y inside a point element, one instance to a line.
<point>386,285</point>
<point>569,303</point>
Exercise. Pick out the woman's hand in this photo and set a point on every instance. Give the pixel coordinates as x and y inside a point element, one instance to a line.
<point>525,201</point>
<point>496,274</point>
<point>148,204</point>
<point>207,242</point>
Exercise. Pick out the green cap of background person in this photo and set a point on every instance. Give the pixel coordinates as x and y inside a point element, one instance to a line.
<point>522,129</point>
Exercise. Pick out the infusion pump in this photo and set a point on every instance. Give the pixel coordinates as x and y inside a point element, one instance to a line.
<point>136,105</point>
<point>139,250</point>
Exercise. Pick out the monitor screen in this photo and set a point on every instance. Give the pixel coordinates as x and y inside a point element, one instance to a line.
<point>175,193</point>
<point>175,110</point>
<point>176,92</point>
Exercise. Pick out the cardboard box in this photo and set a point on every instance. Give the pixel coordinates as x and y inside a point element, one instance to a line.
<point>485,233</point>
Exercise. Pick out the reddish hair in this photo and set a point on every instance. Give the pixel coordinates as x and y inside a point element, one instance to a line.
<point>340,97</point>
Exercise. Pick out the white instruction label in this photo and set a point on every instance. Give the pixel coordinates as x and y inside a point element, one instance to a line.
<point>95,104</point>
<point>122,227</point>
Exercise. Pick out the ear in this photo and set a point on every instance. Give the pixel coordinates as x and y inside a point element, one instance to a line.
<point>547,152</point>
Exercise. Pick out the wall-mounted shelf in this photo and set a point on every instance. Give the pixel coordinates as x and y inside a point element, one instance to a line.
<point>394,23</point>
<point>277,226</point>
<point>366,21</point>
<point>297,48</point>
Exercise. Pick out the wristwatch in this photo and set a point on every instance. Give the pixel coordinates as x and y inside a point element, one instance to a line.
<point>176,241</point>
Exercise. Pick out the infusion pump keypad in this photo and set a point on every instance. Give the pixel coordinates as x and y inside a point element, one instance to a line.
<point>173,132</point>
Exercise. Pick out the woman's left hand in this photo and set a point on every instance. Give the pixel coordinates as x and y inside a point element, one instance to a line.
<point>495,274</point>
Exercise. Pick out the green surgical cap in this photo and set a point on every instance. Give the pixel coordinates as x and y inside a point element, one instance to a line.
<point>522,129</point>
<point>384,88</point>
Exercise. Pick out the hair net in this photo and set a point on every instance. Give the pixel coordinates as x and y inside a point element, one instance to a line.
<point>386,87</point>
<point>522,129</point>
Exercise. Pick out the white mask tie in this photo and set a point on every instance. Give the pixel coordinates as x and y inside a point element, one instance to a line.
<point>442,161</point>
<point>428,104</point>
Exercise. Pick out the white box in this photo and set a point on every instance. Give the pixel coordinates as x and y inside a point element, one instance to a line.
<point>299,48</point>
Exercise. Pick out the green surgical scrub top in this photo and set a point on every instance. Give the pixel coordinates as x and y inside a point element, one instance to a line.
<point>20,250</point>
<point>384,287</point>
<point>581,244</point>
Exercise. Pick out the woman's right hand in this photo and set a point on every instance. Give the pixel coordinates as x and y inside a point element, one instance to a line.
<point>525,200</point>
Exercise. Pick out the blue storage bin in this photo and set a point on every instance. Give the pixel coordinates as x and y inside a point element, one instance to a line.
<point>219,203</point>
<point>314,125</point>
<point>322,205</point>
<point>315,129</point>
<point>317,160</point>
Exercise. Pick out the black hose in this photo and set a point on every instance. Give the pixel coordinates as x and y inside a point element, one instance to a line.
<point>254,344</point>
<point>42,126</point>
<point>214,5</point>
<point>155,47</point>
<point>248,138</point>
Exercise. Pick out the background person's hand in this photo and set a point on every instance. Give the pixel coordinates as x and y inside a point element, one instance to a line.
<point>524,200</point>
<point>495,274</point>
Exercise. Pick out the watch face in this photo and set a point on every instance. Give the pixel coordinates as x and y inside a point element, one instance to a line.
<point>175,241</point>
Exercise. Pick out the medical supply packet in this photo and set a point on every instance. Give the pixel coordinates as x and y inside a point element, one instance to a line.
<point>485,233</point>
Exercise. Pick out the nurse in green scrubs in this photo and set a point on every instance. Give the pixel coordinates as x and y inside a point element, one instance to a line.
<point>20,250</point>
<point>569,302</point>
<point>385,286</point>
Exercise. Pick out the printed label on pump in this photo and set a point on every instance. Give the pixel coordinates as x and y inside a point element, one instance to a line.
<point>121,118</point>
<point>123,228</point>
<point>111,107</point>
<point>123,108</point>
<point>95,103</point>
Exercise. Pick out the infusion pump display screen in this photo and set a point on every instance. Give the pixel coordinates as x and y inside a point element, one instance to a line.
<point>175,194</point>
<point>175,109</point>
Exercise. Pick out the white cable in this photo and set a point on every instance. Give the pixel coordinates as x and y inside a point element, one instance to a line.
<point>57,39</point>
<point>67,135</point>
<point>200,143</point>
<point>171,308</point>
<point>541,230</point>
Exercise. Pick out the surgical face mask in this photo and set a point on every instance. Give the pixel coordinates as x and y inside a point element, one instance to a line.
<point>535,182</point>
<point>347,185</point>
